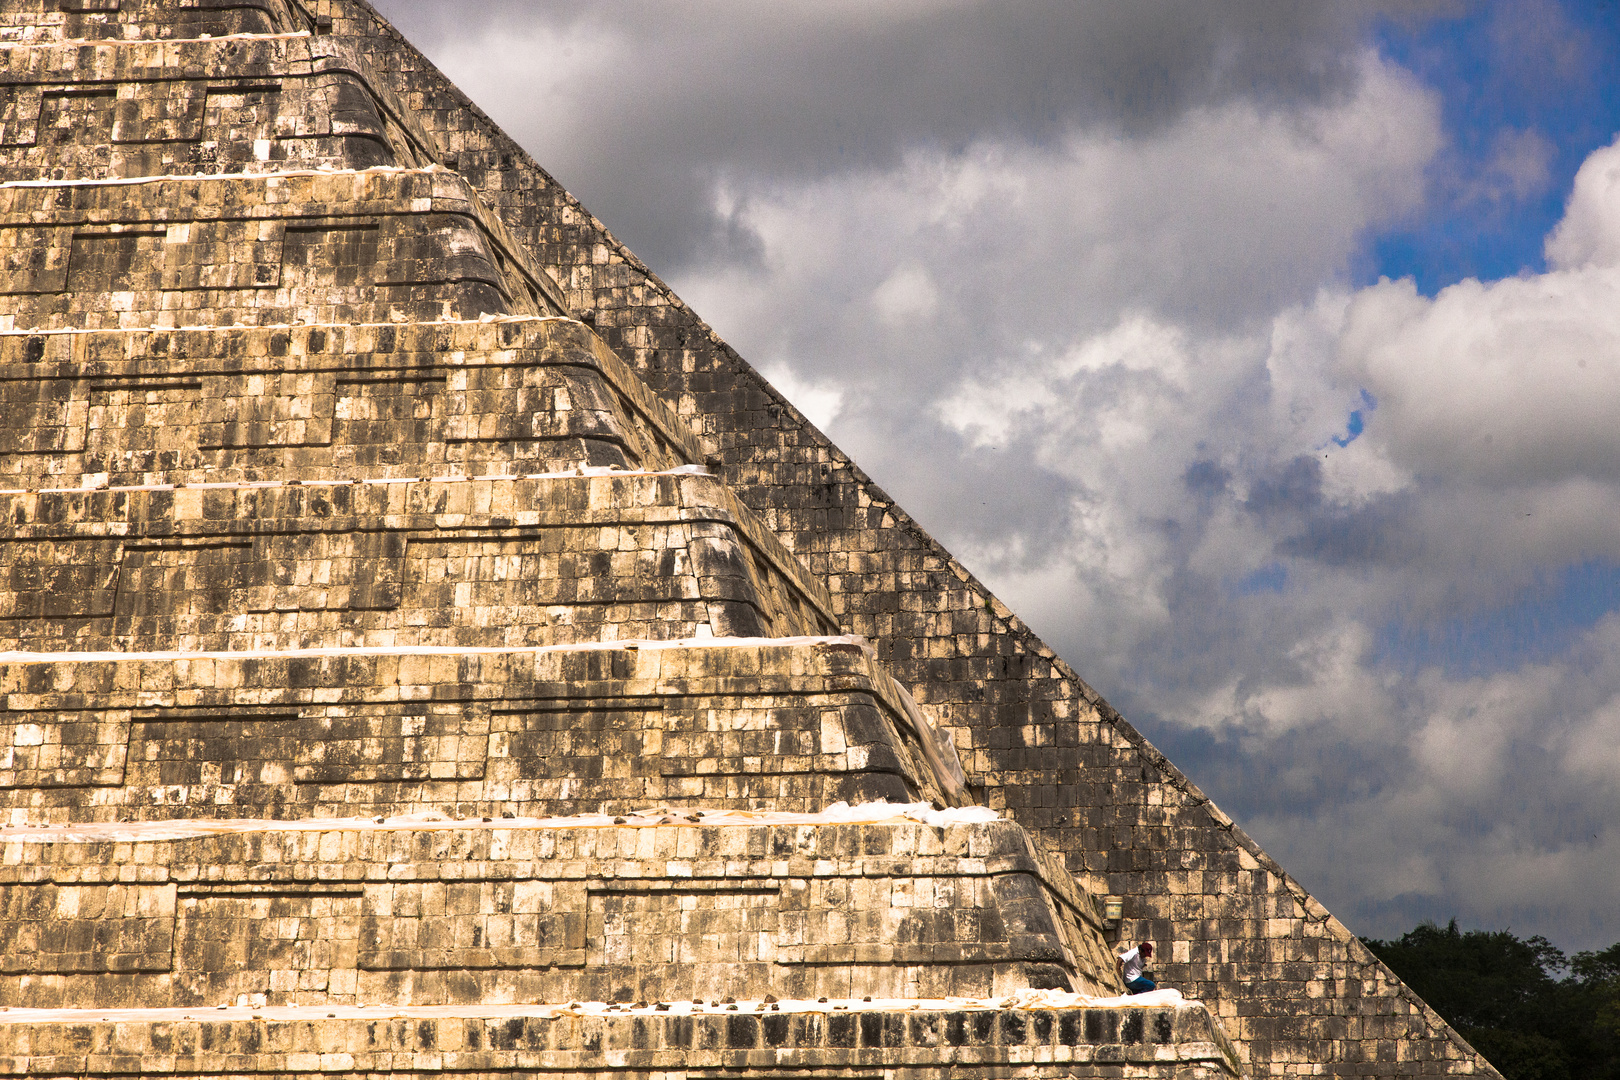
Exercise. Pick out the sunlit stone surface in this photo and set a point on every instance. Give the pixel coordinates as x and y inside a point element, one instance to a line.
<point>424,647</point>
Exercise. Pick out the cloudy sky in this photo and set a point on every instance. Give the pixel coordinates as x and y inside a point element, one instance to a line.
<point>1264,356</point>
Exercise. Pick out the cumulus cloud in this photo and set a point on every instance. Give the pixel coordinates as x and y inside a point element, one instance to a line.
<point>906,296</point>
<point>640,108</point>
<point>1485,459</point>
<point>1499,790</point>
<point>1098,324</point>
<point>1589,235</point>
<point>1256,478</point>
<point>1508,382</point>
<point>1073,281</point>
<point>1497,401</point>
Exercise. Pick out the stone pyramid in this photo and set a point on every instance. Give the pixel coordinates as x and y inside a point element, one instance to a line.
<point>426,648</point>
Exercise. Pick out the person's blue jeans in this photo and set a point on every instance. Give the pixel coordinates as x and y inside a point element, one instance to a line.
<point>1141,985</point>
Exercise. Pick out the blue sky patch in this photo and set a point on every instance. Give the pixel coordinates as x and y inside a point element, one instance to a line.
<point>1356,424</point>
<point>1267,579</point>
<point>1353,428</point>
<point>1540,624</point>
<point>1528,92</point>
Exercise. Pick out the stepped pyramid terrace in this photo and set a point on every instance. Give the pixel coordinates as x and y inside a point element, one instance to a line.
<point>426,648</point>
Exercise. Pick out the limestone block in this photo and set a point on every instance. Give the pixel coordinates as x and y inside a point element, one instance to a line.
<point>371,245</point>
<point>434,915</point>
<point>531,732</point>
<point>199,107</point>
<point>324,403</point>
<point>428,562</point>
<point>49,928</point>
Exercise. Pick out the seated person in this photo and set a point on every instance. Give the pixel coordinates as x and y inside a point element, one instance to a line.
<point>1129,966</point>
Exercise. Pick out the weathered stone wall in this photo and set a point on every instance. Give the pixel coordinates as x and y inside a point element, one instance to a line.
<point>137,109</point>
<point>365,246</point>
<point>30,21</point>
<point>383,245</point>
<point>471,914</point>
<point>745,725</point>
<point>456,562</point>
<point>861,1041</point>
<point>324,403</point>
<point>1296,990</point>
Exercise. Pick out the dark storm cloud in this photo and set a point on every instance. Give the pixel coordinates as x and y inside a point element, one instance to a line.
<point>1382,531</point>
<point>1308,772</point>
<point>693,92</point>
<point>1295,487</point>
<point>1207,479</point>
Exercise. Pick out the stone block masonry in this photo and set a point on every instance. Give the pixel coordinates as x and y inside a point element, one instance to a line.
<point>320,511</point>
<point>372,245</point>
<point>140,109</point>
<point>470,562</point>
<point>324,403</point>
<point>32,21</point>
<point>539,914</point>
<point>1297,992</point>
<point>792,726</point>
<point>845,1039</point>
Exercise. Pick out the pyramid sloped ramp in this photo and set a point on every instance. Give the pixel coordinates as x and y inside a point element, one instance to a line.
<point>357,604</point>
<point>1297,990</point>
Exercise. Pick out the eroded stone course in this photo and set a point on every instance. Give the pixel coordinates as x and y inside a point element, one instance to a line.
<point>91,112</point>
<point>295,424</point>
<point>1154,1044</point>
<point>1297,991</point>
<point>31,21</point>
<point>324,403</point>
<point>794,726</point>
<point>372,245</point>
<point>648,913</point>
<point>468,562</point>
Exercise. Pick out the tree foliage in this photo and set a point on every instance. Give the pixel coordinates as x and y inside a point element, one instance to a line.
<point>1535,1013</point>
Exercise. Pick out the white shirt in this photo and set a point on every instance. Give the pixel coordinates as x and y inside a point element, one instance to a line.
<point>1132,962</point>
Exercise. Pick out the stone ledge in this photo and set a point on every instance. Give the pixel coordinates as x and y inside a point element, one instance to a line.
<point>473,561</point>
<point>89,409</point>
<point>334,912</point>
<point>896,1040</point>
<point>165,108</point>
<point>315,245</point>
<point>471,731</point>
<point>31,22</point>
